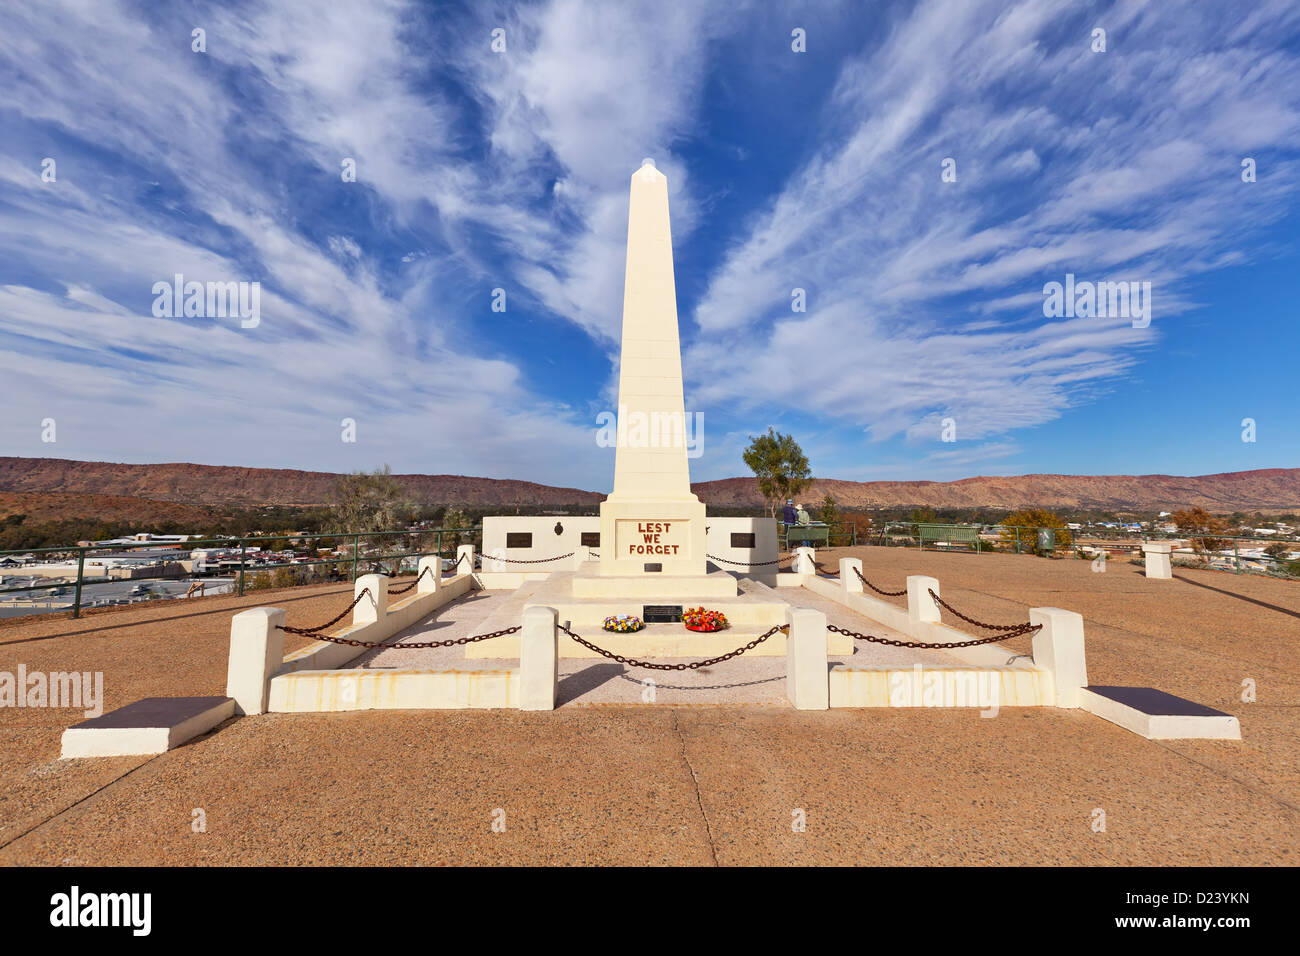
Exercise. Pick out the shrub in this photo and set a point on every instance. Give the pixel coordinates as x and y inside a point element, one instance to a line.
<point>1034,518</point>
<point>258,581</point>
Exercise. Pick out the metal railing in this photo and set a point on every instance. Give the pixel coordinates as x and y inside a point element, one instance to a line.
<point>1025,540</point>
<point>841,534</point>
<point>248,563</point>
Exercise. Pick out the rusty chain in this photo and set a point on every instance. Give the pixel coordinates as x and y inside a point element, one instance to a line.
<point>414,645</point>
<point>1014,628</point>
<point>692,665</point>
<point>560,557</point>
<point>747,564</point>
<point>311,631</point>
<point>876,589</point>
<point>392,591</point>
<point>938,647</point>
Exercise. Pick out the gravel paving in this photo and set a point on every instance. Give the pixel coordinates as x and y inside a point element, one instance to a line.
<point>691,785</point>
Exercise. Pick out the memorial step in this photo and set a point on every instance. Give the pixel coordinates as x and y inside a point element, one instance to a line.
<point>153,725</point>
<point>1157,715</point>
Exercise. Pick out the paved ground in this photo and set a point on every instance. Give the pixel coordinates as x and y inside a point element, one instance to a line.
<point>673,784</point>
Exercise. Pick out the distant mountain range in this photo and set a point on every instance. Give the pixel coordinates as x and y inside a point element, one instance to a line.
<point>84,488</point>
<point>1267,489</point>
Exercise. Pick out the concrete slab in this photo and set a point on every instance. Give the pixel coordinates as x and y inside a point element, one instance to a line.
<point>150,726</point>
<point>1157,715</point>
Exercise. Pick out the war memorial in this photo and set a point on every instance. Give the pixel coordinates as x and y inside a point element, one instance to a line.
<point>507,628</point>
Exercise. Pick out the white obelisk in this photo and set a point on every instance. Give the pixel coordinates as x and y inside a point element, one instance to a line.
<point>651,523</point>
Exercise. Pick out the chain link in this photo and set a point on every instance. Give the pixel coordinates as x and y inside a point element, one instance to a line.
<point>311,631</point>
<point>392,591</point>
<point>414,645</point>
<point>922,644</point>
<point>1017,628</point>
<point>561,557</point>
<point>876,589</point>
<point>747,564</point>
<point>693,665</point>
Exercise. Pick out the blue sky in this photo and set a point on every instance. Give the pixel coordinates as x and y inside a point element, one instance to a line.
<point>818,170</point>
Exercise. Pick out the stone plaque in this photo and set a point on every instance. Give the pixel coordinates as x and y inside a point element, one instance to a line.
<point>661,613</point>
<point>638,540</point>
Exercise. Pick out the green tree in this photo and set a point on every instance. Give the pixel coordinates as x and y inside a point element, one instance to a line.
<point>369,502</point>
<point>780,466</point>
<point>1034,518</point>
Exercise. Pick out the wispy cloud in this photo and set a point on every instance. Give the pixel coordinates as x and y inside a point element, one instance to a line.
<point>479,170</point>
<point>1117,165</point>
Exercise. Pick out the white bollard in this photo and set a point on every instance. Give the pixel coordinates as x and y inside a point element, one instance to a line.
<point>807,674</point>
<point>804,561</point>
<point>539,659</point>
<point>374,605</point>
<point>850,568</point>
<point>466,566</point>
<point>430,574</point>
<point>1158,564</point>
<point>921,608</point>
<point>256,653</point>
<point>1058,648</point>
<point>580,554</point>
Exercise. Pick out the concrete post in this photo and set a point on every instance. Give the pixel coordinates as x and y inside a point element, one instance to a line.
<point>1058,648</point>
<point>807,674</point>
<point>432,581</point>
<point>850,568</point>
<point>256,653</point>
<point>580,554</point>
<point>374,606</point>
<point>539,659</point>
<point>921,608</point>
<point>466,566</point>
<point>804,558</point>
<point>1158,564</point>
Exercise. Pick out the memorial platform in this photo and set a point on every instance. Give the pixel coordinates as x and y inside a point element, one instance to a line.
<point>751,608</point>
<point>589,582</point>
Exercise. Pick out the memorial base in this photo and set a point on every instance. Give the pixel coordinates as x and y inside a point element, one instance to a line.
<point>589,582</point>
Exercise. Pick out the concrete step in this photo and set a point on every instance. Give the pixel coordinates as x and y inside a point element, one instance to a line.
<point>153,725</point>
<point>1157,715</point>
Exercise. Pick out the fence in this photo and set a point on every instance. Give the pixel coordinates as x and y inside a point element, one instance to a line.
<point>364,549</point>
<point>1026,540</point>
<point>843,534</point>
